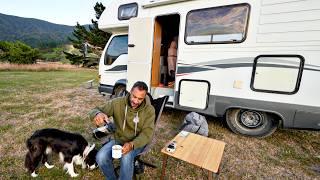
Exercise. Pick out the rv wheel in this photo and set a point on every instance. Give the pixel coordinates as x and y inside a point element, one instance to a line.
<point>118,91</point>
<point>251,122</point>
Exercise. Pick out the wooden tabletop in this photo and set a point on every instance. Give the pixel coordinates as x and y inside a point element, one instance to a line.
<point>198,150</point>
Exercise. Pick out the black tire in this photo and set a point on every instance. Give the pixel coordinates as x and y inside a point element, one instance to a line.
<point>251,122</point>
<point>119,91</point>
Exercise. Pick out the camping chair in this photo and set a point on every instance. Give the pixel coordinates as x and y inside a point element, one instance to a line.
<point>158,105</point>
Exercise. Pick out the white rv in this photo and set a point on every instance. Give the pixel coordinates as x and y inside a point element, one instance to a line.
<point>254,62</point>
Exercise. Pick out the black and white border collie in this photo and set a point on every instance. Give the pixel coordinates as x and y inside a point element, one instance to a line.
<point>72,148</point>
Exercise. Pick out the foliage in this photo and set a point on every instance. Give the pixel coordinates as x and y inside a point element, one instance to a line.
<point>34,32</point>
<point>18,53</point>
<point>53,54</point>
<point>92,35</point>
<point>74,58</point>
<point>77,59</point>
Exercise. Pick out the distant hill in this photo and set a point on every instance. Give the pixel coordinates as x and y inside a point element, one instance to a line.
<point>34,32</point>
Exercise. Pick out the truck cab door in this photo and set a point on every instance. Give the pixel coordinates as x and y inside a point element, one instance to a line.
<point>140,45</point>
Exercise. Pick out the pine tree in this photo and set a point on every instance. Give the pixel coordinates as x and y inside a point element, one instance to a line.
<point>17,53</point>
<point>93,36</point>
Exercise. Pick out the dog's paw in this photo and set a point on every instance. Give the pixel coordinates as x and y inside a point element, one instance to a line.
<point>34,174</point>
<point>93,167</point>
<point>48,165</point>
<point>65,167</point>
<point>74,175</point>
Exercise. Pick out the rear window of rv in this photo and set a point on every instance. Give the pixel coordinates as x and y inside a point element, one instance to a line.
<point>127,11</point>
<point>225,24</point>
<point>117,46</point>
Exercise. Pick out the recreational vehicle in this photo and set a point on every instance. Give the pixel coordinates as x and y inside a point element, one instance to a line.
<point>253,62</point>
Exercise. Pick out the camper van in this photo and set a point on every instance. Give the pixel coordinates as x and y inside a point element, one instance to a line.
<point>254,62</point>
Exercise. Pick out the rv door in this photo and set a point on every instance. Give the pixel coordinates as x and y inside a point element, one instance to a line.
<point>139,51</point>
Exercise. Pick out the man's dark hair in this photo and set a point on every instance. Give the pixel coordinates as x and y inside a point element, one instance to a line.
<point>140,85</point>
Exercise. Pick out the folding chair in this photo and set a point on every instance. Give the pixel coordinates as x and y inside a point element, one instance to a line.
<point>158,105</point>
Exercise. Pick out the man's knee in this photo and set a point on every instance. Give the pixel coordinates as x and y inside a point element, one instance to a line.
<point>102,157</point>
<point>127,159</point>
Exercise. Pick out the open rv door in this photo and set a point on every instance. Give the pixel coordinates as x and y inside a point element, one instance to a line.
<point>139,51</point>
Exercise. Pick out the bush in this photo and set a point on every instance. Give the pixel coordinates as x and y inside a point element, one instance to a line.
<point>53,54</point>
<point>18,53</point>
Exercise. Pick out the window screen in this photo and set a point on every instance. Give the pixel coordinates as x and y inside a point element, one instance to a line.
<point>225,24</point>
<point>277,74</point>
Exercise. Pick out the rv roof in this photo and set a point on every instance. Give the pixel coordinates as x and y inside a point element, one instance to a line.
<point>153,3</point>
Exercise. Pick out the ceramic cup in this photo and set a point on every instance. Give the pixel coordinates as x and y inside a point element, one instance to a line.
<point>116,151</point>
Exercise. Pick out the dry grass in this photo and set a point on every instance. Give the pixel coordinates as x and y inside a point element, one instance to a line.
<point>287,154</point>
<point>39,66</point>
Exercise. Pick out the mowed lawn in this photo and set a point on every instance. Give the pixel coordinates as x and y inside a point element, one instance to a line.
<point>58,99</point>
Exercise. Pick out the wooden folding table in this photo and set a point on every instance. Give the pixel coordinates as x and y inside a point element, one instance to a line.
<point>198,150</point>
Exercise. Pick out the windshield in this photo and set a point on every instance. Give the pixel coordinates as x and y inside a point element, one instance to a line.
<point>117,46</point>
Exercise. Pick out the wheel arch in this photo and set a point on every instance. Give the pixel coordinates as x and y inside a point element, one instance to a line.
<point>276,115</point>
<point>120,82</point>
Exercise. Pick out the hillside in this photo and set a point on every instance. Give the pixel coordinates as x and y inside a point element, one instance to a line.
<point>34,32</point>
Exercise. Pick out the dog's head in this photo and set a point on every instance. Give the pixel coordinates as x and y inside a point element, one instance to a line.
<point>89,156</point>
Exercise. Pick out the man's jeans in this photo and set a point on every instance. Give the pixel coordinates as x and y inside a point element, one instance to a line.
<point>104,160</point>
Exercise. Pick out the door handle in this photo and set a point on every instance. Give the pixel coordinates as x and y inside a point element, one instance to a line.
<point>131,45</point>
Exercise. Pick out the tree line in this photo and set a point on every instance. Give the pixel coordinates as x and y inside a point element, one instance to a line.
<point>89,35</point>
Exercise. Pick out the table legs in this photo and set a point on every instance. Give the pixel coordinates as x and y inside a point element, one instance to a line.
<point>164,165</point>
<point>210,175</point>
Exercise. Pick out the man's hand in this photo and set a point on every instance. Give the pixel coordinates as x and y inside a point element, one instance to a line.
<point>127,147</point>
<point>100,119</point>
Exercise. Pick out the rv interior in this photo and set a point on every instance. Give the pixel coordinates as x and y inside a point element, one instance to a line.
<point>166,32</point>
<point>164,59</point>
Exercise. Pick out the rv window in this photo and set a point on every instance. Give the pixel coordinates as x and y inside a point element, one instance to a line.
<point>117,46</point>
<point>127,11</point>
<point>225,24</point>
<point>277,74</point>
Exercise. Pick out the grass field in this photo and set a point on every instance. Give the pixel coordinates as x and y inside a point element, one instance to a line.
<point>32,100</point>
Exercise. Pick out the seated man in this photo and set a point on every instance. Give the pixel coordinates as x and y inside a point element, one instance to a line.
<point>133,117</point>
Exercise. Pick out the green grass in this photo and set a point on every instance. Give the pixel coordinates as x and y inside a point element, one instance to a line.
<point>27,103</point>
<point>4,128</point>
<point>32,100</point>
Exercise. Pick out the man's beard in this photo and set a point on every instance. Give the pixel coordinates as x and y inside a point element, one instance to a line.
<point>134,105</point>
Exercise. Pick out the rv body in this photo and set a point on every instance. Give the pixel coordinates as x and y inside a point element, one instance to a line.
<point>255,62</point>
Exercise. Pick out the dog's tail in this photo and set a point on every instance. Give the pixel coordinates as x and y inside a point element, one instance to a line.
<point>29,144</point>
<point>28,162</point>
<point>28,159</point>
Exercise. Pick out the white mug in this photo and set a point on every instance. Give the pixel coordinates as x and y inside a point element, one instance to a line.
<point>116,151</point>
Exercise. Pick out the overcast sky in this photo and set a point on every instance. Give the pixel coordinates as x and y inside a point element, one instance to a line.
<point>67,12</point>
